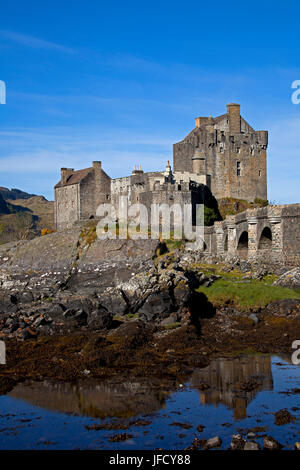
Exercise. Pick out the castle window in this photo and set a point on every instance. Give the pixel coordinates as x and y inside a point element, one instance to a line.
<point>238,168</point>
<point>259,173</point>
<point>238,150</point>
<point>252,151</point>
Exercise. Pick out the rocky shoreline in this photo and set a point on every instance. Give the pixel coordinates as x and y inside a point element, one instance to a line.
<point>74,307</point>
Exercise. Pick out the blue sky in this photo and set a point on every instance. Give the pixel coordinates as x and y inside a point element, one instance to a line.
<point>121,82</point>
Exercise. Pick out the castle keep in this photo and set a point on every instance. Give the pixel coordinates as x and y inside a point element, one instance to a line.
<point>224,156</point>
<point>230,151</point>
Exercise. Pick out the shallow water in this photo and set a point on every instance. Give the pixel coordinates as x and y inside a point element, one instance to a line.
<point>54,416</point>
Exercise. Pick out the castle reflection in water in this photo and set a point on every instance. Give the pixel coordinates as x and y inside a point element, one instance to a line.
<point>233,382</point>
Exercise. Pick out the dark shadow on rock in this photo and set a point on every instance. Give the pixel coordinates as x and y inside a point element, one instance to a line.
<point>200,307</point>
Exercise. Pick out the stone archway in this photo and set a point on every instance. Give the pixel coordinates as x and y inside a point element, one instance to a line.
<point>242,247</point>
<point>226,243</point>
<point>265,241</point>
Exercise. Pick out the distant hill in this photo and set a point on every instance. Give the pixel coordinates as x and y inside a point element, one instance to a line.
<point>14,193</point>
<point>23,215</point>
<point>4,209</point>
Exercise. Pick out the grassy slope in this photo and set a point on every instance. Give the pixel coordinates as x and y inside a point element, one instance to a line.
<point>38,206</point>
<point>35,209</point>
<point>243,294</point>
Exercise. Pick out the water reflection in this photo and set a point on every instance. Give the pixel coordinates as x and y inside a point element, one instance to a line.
<point>107,399</point>
<point>233,382</point>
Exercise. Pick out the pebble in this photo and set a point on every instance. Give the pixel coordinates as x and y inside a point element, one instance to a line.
<point>213,442</point>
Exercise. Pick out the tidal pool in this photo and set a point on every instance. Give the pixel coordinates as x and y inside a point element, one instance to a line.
<point>229,396</point>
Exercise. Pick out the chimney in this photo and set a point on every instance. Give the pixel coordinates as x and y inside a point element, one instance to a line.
<point>97,165</point>
<point>65,173</point>
<point>201,120</point>
<point>233,110</point>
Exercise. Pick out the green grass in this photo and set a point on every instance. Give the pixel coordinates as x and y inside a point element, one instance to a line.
<point>132,315</point>
<point>244,294</point>
<point>172,326</point>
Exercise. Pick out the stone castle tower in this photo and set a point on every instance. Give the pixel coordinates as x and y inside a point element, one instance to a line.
<point>230,151</point>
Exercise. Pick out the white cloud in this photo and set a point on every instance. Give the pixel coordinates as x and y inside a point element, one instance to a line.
<point>34,42</point>
<point>32,158</point>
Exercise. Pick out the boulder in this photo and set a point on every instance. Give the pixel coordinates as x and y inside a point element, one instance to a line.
<point>158,305</point>
<point>283,308</point>
<point>212,443</point>
<point>237,443</point>
<point>251,446</point>
<point>289,279</point>
<point>270,443</point>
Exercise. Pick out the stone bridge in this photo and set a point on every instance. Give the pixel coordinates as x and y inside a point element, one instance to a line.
<point>269,234</point>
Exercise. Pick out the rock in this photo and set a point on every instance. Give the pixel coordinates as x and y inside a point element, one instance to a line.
<point>81,317</point>
<point>237,443</point>
<point>251,446</point>
<point>132,334</point>
<point>8,303</point>
<point>297,446</point>
<point>254,318</point>
<point>157,306</point>
<point>39,321</point>
<point>270,443</point>
<point>212,443</point>
<point>182,293</point>
<point>283,417</point>
<point>116,303</point>
<point>251,435</point>
<point>198,443</point>
<point>290,279</point>
<point>283,308</point>
<point>25,297</point>
<point>200,427</point>
<point>100,319</point>
<point>173,318</point>
<point>12,324</point>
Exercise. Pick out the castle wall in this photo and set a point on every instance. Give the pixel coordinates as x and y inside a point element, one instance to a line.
<point>87,190</point>
<point>291,234</point>
<point>67,206</point>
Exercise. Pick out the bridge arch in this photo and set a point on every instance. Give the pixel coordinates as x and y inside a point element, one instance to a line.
<point>226,242</point>
<point>265,239</point>
<point>242,246</point>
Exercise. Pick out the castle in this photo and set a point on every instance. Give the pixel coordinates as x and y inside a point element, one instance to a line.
<point>222,157</point>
